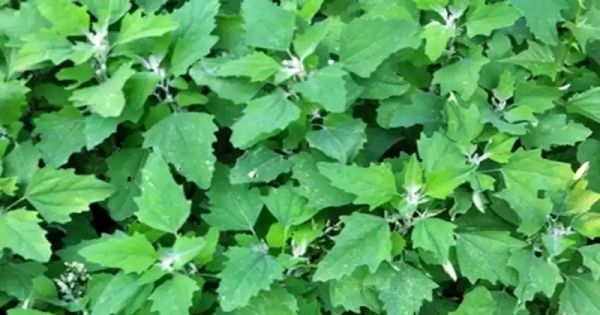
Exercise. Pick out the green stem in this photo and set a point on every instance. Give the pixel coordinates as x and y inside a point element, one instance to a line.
<point>14,203</point>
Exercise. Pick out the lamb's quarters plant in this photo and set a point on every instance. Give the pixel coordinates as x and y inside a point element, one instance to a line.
<point>259,157</point>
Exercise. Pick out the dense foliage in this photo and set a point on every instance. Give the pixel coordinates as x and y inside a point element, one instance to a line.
<point>302,157</point>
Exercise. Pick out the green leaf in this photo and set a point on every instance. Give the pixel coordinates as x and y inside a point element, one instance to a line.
<point>478,301</point>
<point>233,207</point>
<point>247,272</point>
<point>20,311</point>
<point>61,135</point>
<point>587,224</point>
<point>135,27</point>
<point>22,162</point>
<point>326,87</point>
<point>130,253</point>
<point>554,130</point>
<point>38,48</point>
<point>116,294</point>
<point>485,255</point>
<point>287,207</point>
<point>186,249</point>
<point>106,99</point>
<point>259,165</point>
<point>589,151</point>
<point>539,59</point>
<point>267,25</point>
<point>263,117</point>
<point>402,288</point>
<point>525,175</point>
<point>20,232</point>
<point>257,66</point>
<point>162,203</point>
<point>57,194</point>
<point>587,28</point>
<point>107,11</point>
<point>364,241</point>
<point>366,43</point>
<point>541,21</point>
<point>18,278</point>
<point>535,275</point>
<point>185,141</point>
<point>423,108</point>
<point>434,235</point>
<point>150,6</point>
<point>464,124</point>
<point>351,293</point>
<point>67,18</point>
<point>12,101</point>
<point>586,104</point>
<point>578,296</point>
<point>487,18</point>
<point>499,147</point>
<point>461,76</point>
<point>174,296</point>
<point>196,20</point>
<point>125,173</point>
<point>591,259</point>
<point>314,186</point>
<point>276,301</point>
<point>373,186</point>
<point>436,37</point>
<point>340,137</point>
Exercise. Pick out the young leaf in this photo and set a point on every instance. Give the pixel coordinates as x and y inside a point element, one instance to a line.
<point>174,296</point>
<point>364,241</point>
<point>130,253</point>
<point>21,233</point>
<point>436,236</point>
<point>185,140</point>
<point>57,194</point>
<point>373,186</point>
<point>162,203</point>
<point>287,207</point>
<point>247,272</point>
<point>257,66</point>
<point>486,18</point>
<point>135,27</point>
<point>436,37</point>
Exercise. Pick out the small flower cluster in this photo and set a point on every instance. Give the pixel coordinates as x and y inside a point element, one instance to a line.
<point>73,281</point>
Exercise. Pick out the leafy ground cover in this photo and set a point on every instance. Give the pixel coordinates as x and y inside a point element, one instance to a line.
<point>302,157</point>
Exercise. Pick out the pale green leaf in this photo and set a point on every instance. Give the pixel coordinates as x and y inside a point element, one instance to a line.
<point>487,18</point>
<point>461,76</point>
<point>326,87</point>
<point>259,165</point>
<point>135,27</point>
<point>258,66</point>
<point>340,137</point>
<point>586,104</point>
<point>539,59</point>
<point>436,37</point>
<point>287,207</point>
<point>130,253</point>
<point>552,130</point>
<point>174,296</point>
<point>536,275</point>
<point>478,301</point>
<point>267,25</point>
<point>591,259</point>
<point>579,296</point>
<point>435,236</point>
<point>61,135</point>
<point>21,233</point>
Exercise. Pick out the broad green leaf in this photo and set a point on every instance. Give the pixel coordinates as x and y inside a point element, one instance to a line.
<point>306,42</point>
<point>461,76</point>
<point>276,301</point>
<point>233,207</point>
<point>135,27</point>
<point>262,118</point>
<point>364,241</point>
<point>162,204</point>
<point>57,194</point>
<point>13,101</point>
<point>366,43</point>
<point>351,293</point>
<point>435,236</point>
<point>423,108</point>
<point>539,59</point>
<point>107,11</point>
<point>185,141</point>
<point>499,147</point>
<point>464,124</point>
<point>61,135</point>
<point>587,224</point>
<point>589,151</point>
<point>578,199</point>
<point>196,21</point>
<point>18,278</point>
<point>314,186</point>
<point>591,259</point>
<point>174,296</point>
<point>340,137</point>
<point>535,275</point>
<point>186,249</point>
<point>485,255</point>
<point>259,165</point>
<point>67,18</point>
<point>373,186</point>
<point>125,173</point>
<point>287,207</point>
<point>436,37</point>
<point>478,301</point>
<point>257,66</point>
<point>150,6</point>
<point>21,233</point>
<point>578,297</point>
<point>267,25</point>
<point>402,288</point>
<point>525,175</point>
<point>116,294</point>
<point>22,161</point>
<point>586,104</point>
<point>384,83</point>
<point>38,48</point>
<point>247,272</point>
<point>106,99</point>
<point>487,18</point>
<point>444,165</point>
<point>587,28</point>
<point>542,20</point>
<point>21,311</point>
<point>131,253</point>
<point>554,130</point>
<point>326,87</point>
